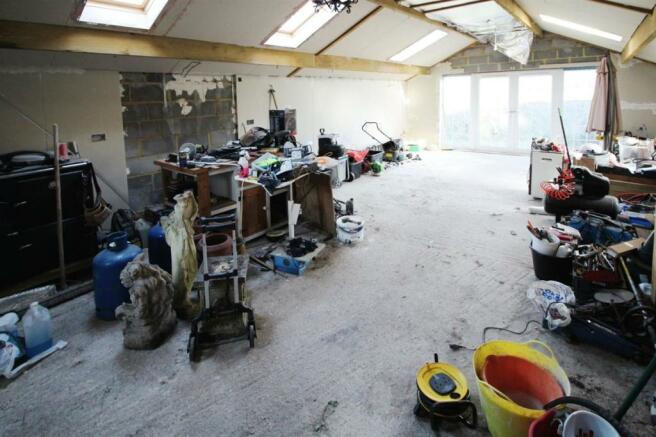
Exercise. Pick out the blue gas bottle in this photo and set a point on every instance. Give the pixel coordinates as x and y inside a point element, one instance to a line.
<point>107,265</point>
<point>159,252</point>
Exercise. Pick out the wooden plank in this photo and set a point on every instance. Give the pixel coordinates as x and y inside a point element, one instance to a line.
<point>520,15</point>
<point>344,34</point>
<point>33,36</point>
<point>642,36</point>
<point>623,6</point>
<point>393,6</point>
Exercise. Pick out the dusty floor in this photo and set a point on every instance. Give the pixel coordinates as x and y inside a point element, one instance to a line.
<point>446,254</point>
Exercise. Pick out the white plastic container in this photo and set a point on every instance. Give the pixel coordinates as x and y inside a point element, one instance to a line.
<point>586,423</point>
<point>350,229</point>
<point>8,323</point>
<point>37,328</point>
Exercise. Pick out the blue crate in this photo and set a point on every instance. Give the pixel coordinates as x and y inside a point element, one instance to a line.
<point>289,265</point>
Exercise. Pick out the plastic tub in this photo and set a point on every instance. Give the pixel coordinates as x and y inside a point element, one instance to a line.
<point>551,268</point>
<point>350,229</point>
<point>586,423</point>
<point>375,156</point>
<point>506,418</point>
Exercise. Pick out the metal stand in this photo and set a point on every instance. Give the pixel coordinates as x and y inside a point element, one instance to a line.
<point>199,338</point>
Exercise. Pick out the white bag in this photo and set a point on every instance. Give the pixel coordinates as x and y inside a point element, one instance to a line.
<point>552,298</point>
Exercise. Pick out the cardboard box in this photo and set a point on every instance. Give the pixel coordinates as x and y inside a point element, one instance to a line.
<point>619,249</point>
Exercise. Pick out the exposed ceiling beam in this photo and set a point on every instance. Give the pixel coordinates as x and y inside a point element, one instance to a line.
<point>434,2</point>
<point>520,15</point>
<point>32,36</point>
<point>623,6</point>
<point>343,35</point>
<point>392,5</point>
<point>642,36</point>
<point>459,5</point>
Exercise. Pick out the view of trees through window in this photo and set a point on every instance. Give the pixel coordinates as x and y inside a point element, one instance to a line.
<point>512,108</point>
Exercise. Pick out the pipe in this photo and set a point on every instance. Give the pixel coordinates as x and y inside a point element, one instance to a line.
<point>60,215</point>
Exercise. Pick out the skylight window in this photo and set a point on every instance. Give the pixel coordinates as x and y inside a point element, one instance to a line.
<point>418,46</point>
<point>300,26</point>
<point>580,28</point>
<point>138,14</point>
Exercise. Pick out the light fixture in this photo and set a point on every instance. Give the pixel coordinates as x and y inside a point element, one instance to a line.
<point>335,5</point>
<point>580,28</point>
<point>138,14</point>
<point>418,46</point>
<point>300,26</point>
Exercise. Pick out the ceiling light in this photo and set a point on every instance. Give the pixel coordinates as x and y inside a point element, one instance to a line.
<point>580,28</point>
<point>138,14</point>
<point>418,46</point>
<point>300,26</point>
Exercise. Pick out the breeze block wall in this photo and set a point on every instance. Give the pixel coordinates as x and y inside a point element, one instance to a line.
<point>163,111</point>
<point>550,49</point>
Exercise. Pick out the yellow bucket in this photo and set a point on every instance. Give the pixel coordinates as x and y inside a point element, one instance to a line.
<point>506,418</point>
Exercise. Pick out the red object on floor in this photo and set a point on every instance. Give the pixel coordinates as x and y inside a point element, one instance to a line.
<point>357,155</point>
<point>543,426</point>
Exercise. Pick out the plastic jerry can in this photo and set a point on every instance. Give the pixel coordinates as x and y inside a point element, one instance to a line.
<point>38,330</point>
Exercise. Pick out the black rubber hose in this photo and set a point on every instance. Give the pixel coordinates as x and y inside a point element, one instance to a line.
<point>595,408</point>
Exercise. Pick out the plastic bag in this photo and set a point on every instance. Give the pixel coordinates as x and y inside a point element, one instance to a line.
<point>552,298</point>
<point>8,354</point>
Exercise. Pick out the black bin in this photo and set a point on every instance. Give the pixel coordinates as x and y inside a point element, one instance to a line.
<point>551,268</point>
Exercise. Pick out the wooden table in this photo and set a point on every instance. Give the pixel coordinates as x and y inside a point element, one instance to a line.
<point>203,193</point>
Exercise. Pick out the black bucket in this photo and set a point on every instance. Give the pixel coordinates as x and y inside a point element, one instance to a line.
<point>551,268</point>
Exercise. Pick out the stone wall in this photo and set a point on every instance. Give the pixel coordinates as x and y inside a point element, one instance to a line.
<point>163,111</point>
<point>550,49</point>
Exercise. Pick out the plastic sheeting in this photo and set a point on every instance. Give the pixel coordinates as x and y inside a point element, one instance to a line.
<point>503,33</point>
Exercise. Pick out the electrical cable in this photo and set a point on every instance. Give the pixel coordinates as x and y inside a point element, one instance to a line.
<point>496,328</point>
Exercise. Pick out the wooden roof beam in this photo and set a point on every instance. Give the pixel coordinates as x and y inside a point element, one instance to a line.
<point>393,6</point>
<point>642,36</point>
<point>520,15</point>
<point>32,36</point>
<point>344,34</point>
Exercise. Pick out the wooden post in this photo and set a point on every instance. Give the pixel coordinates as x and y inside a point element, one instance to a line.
<point>60,217</point>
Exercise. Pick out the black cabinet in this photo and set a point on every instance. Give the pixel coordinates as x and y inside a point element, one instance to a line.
<point>28,228</point>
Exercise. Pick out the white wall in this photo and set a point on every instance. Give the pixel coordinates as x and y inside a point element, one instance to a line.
<point>335,104</point>
<point>82,103</point>
<point>635,82</point>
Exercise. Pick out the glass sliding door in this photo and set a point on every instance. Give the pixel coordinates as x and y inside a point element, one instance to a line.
<point>578,88</point>
<point>503,112</point>
<point>494,111</point>
<point>456,116</point>
<point>534,108</point>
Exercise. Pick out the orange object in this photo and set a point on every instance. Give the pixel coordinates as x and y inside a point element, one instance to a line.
<point>523,382</point>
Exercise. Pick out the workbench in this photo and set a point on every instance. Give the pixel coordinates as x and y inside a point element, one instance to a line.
<point>219,189</point>
<point>212,199</point>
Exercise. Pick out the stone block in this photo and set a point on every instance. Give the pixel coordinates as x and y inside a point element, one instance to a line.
<point>545,54</point>
<point>225,107</point>
<point>133,77</point>
<point>131,130</point>
<point>571,52</point>
<point>135,113</point>
<point>146,93</point>
<point>471,69</point>
<point>157,145</point>
<point>478,60</point>
<point>458,62</point>
<point>594,51</point>
<point>488,68</point>
<point>498,57</point>
<point>156,111</point>
<point>208,108</point>
<point>132,147</point>
<point>153,129</point>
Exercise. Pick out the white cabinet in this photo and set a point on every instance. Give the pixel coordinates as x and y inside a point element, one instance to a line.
<point>544,167</point>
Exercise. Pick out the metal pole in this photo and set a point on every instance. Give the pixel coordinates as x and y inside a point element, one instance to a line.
<point>60,218</point>
<point>651,368</point>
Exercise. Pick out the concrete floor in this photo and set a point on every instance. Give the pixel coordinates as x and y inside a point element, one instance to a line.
<point>446,254</point>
